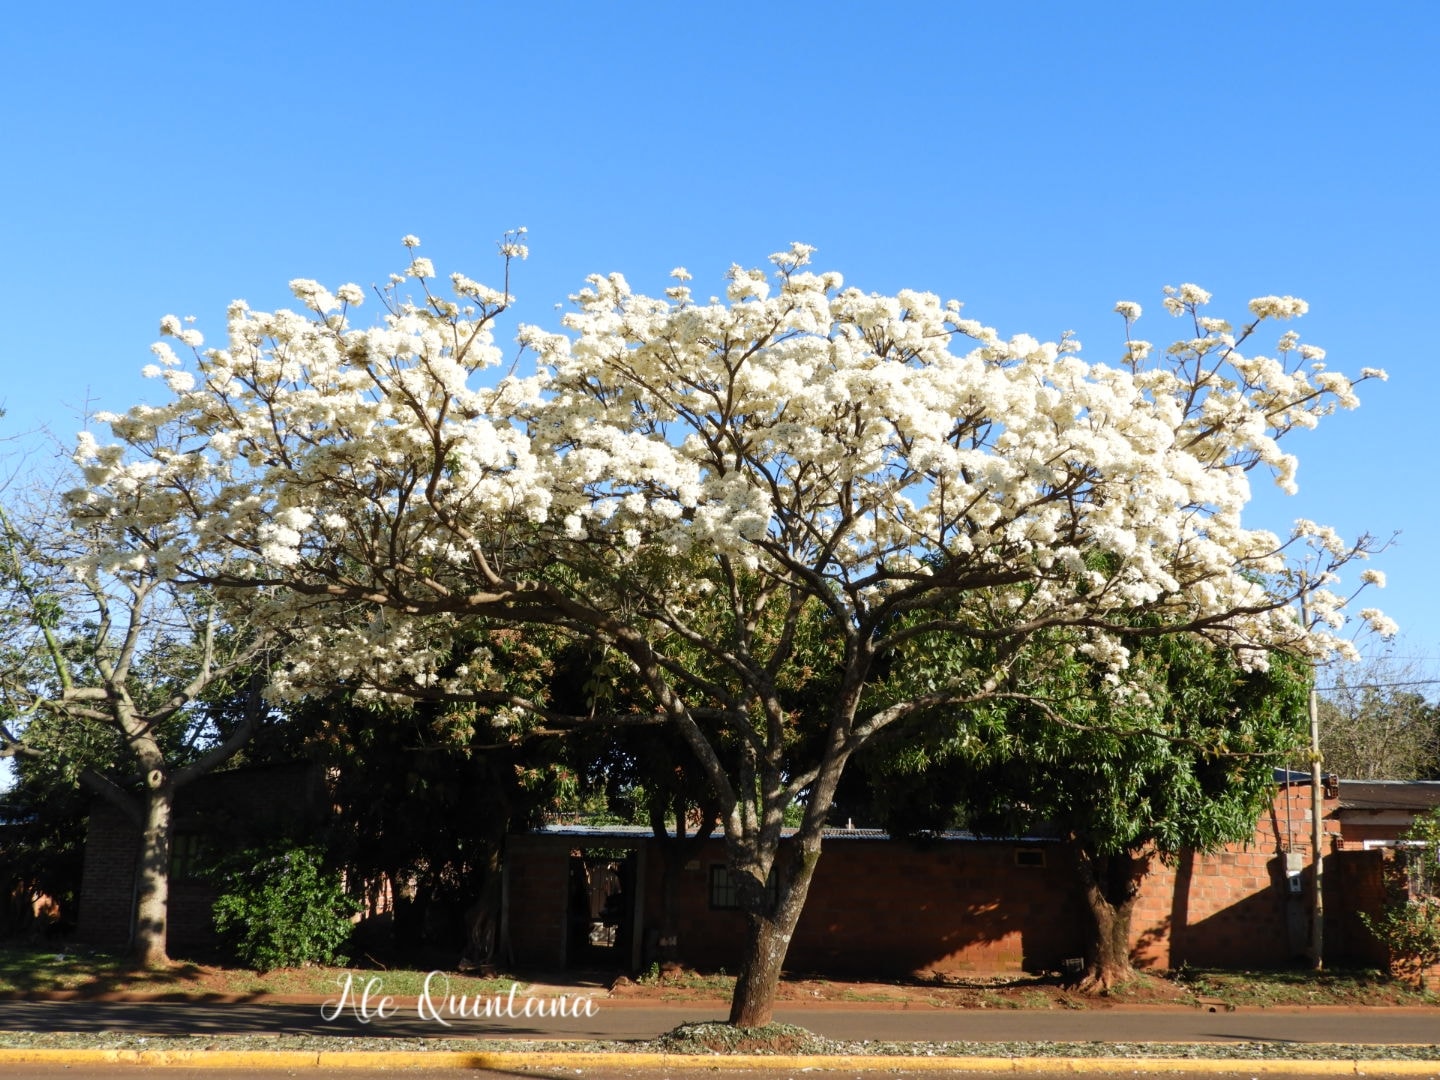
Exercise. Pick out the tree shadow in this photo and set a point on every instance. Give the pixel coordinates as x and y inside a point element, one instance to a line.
<point>27,971</point>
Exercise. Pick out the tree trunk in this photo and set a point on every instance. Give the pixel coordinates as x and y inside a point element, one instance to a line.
<point>482,918</point>
<point>152,894</point>
<point>769,929</point>
<point>1111,884</point>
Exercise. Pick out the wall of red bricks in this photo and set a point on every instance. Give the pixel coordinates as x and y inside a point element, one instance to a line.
<point>879,906</point>
<point>107,897</point>
<point>876,906</point>
<point>1235,907</point>
<point>537,890</point>
<point>890,907</point>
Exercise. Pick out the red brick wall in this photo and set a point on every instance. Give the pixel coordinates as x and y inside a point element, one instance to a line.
<point>537,888</point>
<point>888,907</point>
<point>875,906</point>
<point>107,899</point>
<point>1235,907</point>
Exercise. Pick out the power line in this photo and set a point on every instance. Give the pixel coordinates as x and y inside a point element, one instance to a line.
<point>1380,685</point>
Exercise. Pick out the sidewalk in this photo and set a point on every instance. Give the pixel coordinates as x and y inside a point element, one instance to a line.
<point>400,1033</point>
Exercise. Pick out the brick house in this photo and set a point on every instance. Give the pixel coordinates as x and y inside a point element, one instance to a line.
<point>856,921</point>
<point>953,904</point>
<point>1373,816</point>
<point>591,897</point>
<point>218,812</point>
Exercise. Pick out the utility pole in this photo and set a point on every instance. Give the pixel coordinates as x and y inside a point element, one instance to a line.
<point>1317,814</point>
<point>1317,834</point>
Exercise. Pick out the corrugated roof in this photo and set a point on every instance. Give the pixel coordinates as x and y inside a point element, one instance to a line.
<point>1389,794</point>
<point>634,833</point>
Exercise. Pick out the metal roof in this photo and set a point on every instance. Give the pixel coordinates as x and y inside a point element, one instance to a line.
<point>633,833</point>
<point>1389,794</point>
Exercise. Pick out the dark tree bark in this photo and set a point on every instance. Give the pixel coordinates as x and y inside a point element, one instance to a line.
<point>1111,884</point>
<point>769,927</point>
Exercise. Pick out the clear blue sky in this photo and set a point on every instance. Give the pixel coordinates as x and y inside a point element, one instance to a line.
<point>1038,161</point>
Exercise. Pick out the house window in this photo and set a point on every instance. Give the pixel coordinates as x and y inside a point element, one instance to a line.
<point>725,889</point>
<point>1420,867</point>
<point>1030,856</point>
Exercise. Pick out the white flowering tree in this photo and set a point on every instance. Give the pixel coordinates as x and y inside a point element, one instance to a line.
<point>720,490</point>
<point>111,671</point>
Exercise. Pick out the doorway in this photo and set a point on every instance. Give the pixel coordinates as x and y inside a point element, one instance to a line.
<point>602,907</point>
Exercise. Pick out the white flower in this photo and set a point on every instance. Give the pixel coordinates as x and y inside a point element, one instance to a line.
<point>1379,622</point>
<point>1373,577</point>
<point>1278,307</point>
<point>410,240</point>
<point>1128,310</point>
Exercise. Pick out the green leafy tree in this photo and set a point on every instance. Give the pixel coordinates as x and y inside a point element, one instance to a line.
<point>1181,756</point>
<point>43,818</point>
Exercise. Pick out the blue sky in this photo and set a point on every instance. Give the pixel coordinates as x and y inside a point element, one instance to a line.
<point>1037,161</point>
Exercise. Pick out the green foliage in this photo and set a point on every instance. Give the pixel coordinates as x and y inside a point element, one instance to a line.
<point>280,907</point>
<point>1373,727</point>
<point>1179,755</point>
<point>1409,924</point>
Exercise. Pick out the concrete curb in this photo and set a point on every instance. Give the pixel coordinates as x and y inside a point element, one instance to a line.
<point>512,1061</point>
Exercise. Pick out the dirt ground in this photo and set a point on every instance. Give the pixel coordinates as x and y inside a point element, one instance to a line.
<point>978,991</point>
<point>1215,990</point>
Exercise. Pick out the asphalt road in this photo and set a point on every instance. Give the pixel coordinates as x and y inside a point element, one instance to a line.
<point>633,1021</point>
<point>141,1072</point>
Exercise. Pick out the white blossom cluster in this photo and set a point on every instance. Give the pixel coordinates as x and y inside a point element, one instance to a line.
<point>869,450</point>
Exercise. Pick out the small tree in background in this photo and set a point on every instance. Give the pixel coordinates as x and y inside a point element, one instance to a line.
<point>1183,760</point>
<point>1375,726</point>
<point>121,675</point>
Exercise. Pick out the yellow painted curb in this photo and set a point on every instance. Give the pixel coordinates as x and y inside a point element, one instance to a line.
<point>511,1060</point>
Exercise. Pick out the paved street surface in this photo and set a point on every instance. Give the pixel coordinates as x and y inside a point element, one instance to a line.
<point>80,1072</point>
<point>616,1021</point>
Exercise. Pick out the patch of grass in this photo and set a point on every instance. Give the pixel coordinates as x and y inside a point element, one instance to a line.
<point>1340,986</point>
<point>28,970</point>
<point>989,999</point>
<point>32,970</point>
<point>879,994</point>
<point>717,1038</point>
<point>692,981</point>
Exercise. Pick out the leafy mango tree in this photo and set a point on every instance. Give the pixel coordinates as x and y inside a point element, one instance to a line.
<point>697,483</point>
<point>1180,758</point>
